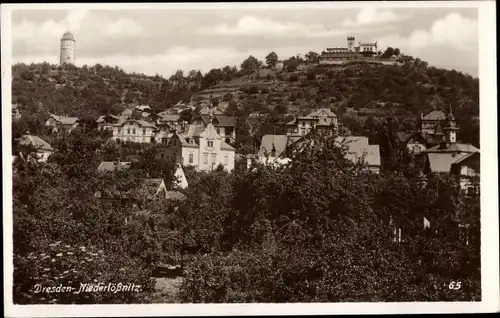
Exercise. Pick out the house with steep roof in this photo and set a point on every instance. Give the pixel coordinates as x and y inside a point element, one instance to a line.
<point>58,123</point>
<point>43,148</point>
<point>453,157</point>
<point>224,125</point>
<point>131,130</point>
<point>106,122</point>
<point>321,119</point>
<point>429,122</point>
<point>198,146</point>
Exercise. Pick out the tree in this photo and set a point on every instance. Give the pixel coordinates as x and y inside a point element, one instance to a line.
<point>312,57</point>
<point>291,64</point>
<point>272,60</point>
<point>251,63</point>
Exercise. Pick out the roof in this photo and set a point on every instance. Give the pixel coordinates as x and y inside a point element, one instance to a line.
<point>141,123</point>
<point>435,115</point>
<point>36,142</point>
<point>441,162</point>
<point>175,195</point>
<point>226,146</point>
<point>207,110</point>
<point>358,147</point>
<point>322,112</point>
<point>64,120</point>
<point>223,121</point>
<point>279,142</point>
<point>104,118</point>
<point>113,166</point>
<point>454,147</point>
<point>127,112</point>
<point>166,117</point>
<point>68,36</point>
<point>464,157</point>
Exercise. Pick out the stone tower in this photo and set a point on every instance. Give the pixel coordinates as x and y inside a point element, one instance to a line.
<point>350,43</point>
<point>67,49</point>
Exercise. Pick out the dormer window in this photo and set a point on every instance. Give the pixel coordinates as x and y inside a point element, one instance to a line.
<point>210,143</point>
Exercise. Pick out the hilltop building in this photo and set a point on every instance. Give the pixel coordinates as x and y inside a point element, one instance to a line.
<point>67,49</point>
<point>352,51</point>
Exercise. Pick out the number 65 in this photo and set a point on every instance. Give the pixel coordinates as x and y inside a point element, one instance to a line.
<point>455,285</point>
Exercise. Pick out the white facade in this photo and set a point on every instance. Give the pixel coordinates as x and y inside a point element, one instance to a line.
<point>204,152</point>
<point>134,131</point>
<point>67,49</point>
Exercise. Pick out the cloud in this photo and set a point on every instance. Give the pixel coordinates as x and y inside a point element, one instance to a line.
<point>453,35</point>
<point>124,28</point>
<point>254,26</point>
<point>250,25</point>
<point>370,16</point>
<point>454,30</point>
<point>85,25</point>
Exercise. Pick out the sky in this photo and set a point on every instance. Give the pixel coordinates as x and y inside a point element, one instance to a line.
<point>161,41</point>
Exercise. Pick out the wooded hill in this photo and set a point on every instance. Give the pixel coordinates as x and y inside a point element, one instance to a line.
<point>362,94</point>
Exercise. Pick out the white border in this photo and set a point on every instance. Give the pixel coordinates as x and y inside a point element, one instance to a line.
<point>489,186</point>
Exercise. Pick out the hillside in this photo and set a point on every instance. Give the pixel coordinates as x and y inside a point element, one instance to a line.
<point>355,92</point>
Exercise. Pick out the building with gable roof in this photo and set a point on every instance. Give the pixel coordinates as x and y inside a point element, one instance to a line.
<point>224,125</point>
<point>321,119</point>
<point>43,148</point>
<point>106,122</point>
<point>132,130</point>
<point>198,146</point>
<point>65,123</point>
<point>453,157</point>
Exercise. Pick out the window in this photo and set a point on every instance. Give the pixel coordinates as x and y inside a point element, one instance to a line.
<point>205,158</point>
<point>210,143</point>
<point>162,156</point>
<point>218,131</point>
<point>133,131</point>
<point>128,131</point>
<point>143,131</point>
<point>119,130</point>
<point>190,158</point>
<point>471,191</point>
<point>226,160</point>
<point>214,160</point>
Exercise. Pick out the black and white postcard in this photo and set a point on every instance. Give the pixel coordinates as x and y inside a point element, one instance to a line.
<point>249,158</point>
